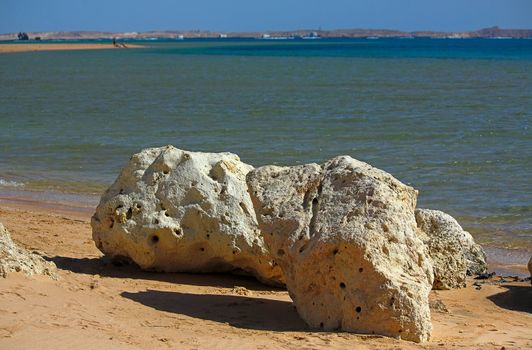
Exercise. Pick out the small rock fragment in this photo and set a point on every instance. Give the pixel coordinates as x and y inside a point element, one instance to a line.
<point>16,259</point>
<point>438,306</point>
<point>453,251</point>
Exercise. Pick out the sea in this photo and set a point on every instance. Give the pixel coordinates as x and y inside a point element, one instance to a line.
<point>450,117</point>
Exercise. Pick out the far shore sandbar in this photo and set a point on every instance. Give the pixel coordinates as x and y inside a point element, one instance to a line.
<point>26,47</point>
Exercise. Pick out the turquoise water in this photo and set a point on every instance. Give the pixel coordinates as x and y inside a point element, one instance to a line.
<point>449,117</point>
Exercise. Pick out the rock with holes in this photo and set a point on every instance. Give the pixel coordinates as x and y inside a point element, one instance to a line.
<point>16,259</point>
<point>180,211</point>
<point>453,251</point>
<point>344,234</point>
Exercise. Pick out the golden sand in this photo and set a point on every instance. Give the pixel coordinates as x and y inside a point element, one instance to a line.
<point>95,304</point>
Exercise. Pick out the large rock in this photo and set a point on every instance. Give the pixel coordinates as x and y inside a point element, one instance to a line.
<point>453,251</point>
<point>179,211</point>
<point>16,259</point>
<point>344,234</point>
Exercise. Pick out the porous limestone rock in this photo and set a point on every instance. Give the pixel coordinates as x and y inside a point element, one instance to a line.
<point>453,251</point>
<point>14,258</point>
<point>178,211</point>
<point>344,234</point>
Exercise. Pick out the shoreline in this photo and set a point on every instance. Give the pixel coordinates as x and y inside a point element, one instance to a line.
<point>502,261</point>
<point>309,33</point>
<point>33,47</point>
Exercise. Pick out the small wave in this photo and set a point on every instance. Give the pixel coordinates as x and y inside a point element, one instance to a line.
<point>9,183</point>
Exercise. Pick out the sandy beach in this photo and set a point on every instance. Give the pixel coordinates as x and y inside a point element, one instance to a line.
<point>95,304</point>
<point>6,48</point>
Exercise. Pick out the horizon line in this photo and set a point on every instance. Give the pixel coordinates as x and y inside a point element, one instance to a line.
<point>319,29</point>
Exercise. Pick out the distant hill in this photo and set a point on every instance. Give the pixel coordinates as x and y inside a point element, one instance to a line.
<point>492,32</point>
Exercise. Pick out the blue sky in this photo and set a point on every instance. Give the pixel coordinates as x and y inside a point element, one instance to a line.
<point>248,15</point>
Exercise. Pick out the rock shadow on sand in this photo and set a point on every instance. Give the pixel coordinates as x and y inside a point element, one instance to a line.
<point>516,298</point>
<point>237,311</point>
<point>106,268</point>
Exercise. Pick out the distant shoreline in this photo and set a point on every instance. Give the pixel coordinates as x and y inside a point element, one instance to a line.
<point>492,32</point>
<point>35,46</point>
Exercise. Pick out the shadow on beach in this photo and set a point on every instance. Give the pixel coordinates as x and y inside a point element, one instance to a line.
<point>238,311</point>
<point>104,267</point>
<point>516,298</point>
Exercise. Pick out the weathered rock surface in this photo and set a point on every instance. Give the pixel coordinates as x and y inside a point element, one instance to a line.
<point>16,259</point>
<point>345,236</point>
<point>178,211</point>
<point>453,251</point>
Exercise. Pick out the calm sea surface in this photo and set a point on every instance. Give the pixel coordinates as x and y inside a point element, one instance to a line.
<point>450,117</point>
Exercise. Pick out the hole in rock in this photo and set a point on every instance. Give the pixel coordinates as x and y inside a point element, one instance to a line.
<point>234,251</point>
<point>119,206</point>
<point>156,221</point>
<point>178,231</point>
<point>202,249</point>
<point>165,172</point>
<point>280,252</point>
<point>342,285</point>
<point>361,269</point>
<point>154,239</point>
<point>129,213</point>
<point>166,213</point>
<point>208,236</point>
<point>335,251</point>
<point>321,325</point>
<point>121,191</point>
<point>358,309</point>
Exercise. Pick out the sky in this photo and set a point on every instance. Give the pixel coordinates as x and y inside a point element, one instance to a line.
<point>249,15</point>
